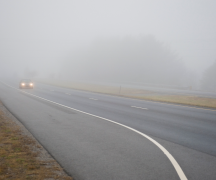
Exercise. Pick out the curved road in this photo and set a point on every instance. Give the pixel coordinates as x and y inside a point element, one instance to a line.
<point>91,148</point>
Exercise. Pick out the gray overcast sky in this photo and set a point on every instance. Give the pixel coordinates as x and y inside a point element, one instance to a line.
<point>50,29</point>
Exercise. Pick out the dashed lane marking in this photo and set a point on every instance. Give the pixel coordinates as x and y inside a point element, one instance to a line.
<point>139,107</point>
<point>93,99</point>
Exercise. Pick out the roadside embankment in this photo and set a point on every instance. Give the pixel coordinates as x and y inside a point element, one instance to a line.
<point>136,93</point>
<point>21,156</point>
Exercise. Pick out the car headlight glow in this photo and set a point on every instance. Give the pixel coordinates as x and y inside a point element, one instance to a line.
<point>23,84</point>
<point>31,84</point>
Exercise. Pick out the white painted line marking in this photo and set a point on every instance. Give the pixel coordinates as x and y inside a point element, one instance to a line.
<point>139,107</point>
<point>67,93</point>
<point>52,90</point>
<point>93,99</point>
<point>169,156</point>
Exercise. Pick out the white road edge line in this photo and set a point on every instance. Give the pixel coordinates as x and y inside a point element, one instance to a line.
<point>139,107</point>
<point>169,156</point>
<point>93,99</point>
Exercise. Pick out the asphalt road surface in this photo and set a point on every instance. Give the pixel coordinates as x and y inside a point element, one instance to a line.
<point>89,147</point>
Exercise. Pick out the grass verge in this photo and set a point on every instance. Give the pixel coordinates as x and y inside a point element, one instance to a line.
<point>20,156</point>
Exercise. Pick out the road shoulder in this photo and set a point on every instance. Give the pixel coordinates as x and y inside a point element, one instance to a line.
<point>21,155</point>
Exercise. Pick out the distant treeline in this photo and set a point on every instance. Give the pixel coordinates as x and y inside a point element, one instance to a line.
<point>143,60</point>
<point>208,82</point>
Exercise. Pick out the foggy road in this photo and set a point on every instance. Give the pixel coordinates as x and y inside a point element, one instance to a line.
<point>157,49</point>
<point>88,147</point>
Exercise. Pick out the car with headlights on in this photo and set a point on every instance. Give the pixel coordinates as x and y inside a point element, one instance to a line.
<point>26,84</point>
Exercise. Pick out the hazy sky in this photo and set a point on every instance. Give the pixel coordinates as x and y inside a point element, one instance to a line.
<point>37,33</point>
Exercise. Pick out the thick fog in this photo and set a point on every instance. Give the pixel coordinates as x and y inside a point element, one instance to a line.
<point>154,42</point>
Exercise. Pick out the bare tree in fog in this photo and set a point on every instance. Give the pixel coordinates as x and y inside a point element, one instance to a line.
<point>143,60</point>
<point>208,82</point>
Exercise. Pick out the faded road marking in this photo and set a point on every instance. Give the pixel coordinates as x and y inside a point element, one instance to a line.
<point>139,107</point>
<point>93,99</point>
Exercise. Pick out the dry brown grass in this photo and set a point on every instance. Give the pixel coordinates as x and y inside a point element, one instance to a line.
<point>19,159</point>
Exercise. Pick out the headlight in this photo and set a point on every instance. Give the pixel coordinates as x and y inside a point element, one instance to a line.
<point>31,84</point>
<point>23,84</point>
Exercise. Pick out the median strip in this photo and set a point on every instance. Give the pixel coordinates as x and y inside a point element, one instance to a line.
<point>184,100</point>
